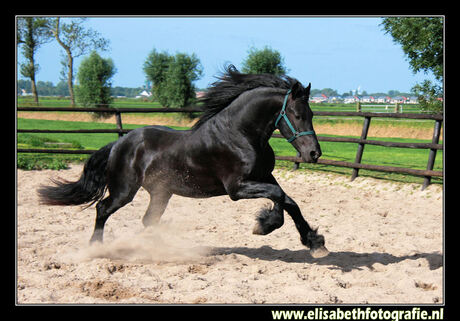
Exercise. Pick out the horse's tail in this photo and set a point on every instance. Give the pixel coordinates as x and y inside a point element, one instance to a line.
<point>89,188</point>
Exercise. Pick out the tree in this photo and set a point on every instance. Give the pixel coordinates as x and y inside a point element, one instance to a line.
<point>182,72</point>
<point>62,89</point>
<point>32,33</point>
<point>262,61</point>
<point>76,40</point>
<point>422,41</point>
<point>94,84</point>
<point>329,92</point>
<point>156,67</point>
<point>172,77</point>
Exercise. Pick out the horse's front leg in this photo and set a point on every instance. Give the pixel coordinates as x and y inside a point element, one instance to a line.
<point>246,189</point>
<point>268,219</point>
<point>308,236</point>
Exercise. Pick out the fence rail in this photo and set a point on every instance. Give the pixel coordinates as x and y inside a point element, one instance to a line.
<point>433,147</point>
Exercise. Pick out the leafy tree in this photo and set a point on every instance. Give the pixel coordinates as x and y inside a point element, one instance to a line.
<point>329,92</point>
<point>172,77</point>
<point>422,41</point>
<point>182,72</point>
<point>156,67</point>
<point>32,33</point>
<point>265,60</point>
<point>23,84</point>
<point>76,40</point>
<point>46,88</point>
<point>62,89</point>
<point>393,93</point>
<point>94,81</point>
<point>429,96</point>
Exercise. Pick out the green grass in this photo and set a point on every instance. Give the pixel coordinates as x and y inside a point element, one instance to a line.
<point>76,141</point>
<point>375,155</point>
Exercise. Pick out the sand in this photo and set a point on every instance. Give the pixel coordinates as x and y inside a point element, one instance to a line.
<point>385,239</point>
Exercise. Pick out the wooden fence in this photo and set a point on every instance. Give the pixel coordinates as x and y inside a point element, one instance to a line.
<point>433,147</point>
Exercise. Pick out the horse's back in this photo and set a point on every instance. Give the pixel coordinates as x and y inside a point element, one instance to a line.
<point>136,151</point>
<point>161,137</point>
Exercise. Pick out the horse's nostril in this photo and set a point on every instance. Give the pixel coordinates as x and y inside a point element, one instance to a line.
<point>315,154</point>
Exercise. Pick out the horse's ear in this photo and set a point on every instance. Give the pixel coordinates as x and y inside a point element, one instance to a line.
<point>297,90</point>
<point>307,90</point>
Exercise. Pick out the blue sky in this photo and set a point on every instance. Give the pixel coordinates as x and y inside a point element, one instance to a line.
<point>330,52</point>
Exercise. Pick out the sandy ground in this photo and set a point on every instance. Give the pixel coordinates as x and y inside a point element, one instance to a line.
<point>385,238</point>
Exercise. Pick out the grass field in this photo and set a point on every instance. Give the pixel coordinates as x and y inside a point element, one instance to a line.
<point>391,129</point>
<point>376,155</point>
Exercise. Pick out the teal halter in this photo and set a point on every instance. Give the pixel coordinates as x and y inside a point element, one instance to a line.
<point>282,114</point>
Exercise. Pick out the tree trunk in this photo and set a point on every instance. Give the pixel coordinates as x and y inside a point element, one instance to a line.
<point>70,78</point>
<point>34,89</point>
<point>69,63</point>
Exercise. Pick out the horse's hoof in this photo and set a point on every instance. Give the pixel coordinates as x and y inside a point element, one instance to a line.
<point>319,252</point>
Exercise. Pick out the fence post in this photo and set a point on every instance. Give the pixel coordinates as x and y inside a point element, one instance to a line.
<point>119,124</point>
<point>358,107</point>
<point>359,152</point>
<point>397,108</point>
<point>432,155</point>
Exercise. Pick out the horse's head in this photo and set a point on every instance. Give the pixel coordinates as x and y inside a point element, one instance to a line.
<point>295,123</point>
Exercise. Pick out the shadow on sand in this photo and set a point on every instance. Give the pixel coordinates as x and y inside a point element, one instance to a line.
<point>345,261</point>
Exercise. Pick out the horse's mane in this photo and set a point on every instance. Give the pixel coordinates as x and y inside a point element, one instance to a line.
<point>231,84</point>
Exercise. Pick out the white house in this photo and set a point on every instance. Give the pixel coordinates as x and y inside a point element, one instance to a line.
<point>398,99</point>
<point>367,99</point>
<point>412,100</point>
<point>382,99</point>
<point>144,93</point>
<point>350,99</point>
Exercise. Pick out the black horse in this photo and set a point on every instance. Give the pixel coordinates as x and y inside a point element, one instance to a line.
<point>225,153</point>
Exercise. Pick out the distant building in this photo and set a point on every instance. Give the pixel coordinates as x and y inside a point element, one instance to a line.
<point>367,99</point>
<point>24,93</point>
<point>334,99</point>
<point>350,99</point>
<point>412,100</point>
<point>382,99</point>
<point>318,98</point>
<point>199,94</point>
<point>145,94</point>
<point>398,99</point>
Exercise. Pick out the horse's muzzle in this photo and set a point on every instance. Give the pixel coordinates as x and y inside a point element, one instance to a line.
<point>311,156</point>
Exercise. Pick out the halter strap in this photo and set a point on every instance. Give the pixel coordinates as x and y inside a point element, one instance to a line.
<point>282,114</point>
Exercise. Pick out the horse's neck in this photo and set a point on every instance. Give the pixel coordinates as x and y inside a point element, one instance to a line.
<point>256,114</point>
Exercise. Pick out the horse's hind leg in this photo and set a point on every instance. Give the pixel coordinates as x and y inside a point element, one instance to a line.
<point>158,201</point>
